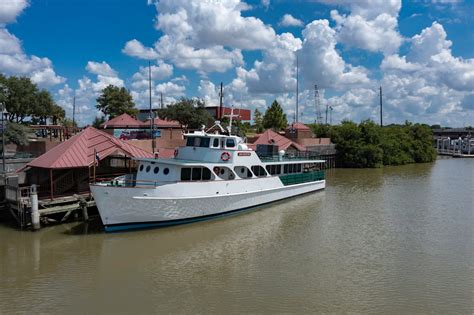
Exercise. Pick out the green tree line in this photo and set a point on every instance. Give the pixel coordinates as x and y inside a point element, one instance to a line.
<point>369,145</point>
<point>23,99</point>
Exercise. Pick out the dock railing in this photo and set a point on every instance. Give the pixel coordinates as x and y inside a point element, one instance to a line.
<point>295,156</point>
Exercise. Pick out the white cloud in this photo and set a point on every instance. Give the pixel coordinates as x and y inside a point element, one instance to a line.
<point>289,20</point>
<point>275,73</point>
<point>206,36</point>
<point>371,25</point>
<point>10,9</point>
<point>171,89</point>
<point>13,61</point>
<point>208,92</point>
<point>102,68</point>
<point>136,49</point>
<point>321,64</point>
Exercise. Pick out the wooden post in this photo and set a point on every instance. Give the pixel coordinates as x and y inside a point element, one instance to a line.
<point>51,182</point>
<point>93,171</point>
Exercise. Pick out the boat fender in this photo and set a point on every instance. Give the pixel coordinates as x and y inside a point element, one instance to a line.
<point>216,170</point>
<point>225,156</point>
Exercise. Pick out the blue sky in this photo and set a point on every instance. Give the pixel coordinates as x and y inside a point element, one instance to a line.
<point>421,52</point>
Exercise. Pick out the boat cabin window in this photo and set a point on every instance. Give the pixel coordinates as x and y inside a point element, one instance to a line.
<point>259,171</point>
<point>195,173</point>
<point>141,167</point>
<point>156,170</point>
<point>215,143</point>
<point>148,168</point>
<point>243,172</point>
<point>166,171</point>
<point>292,168</point>
<point>274,169</point>
<point>190,141</point>
<point>230,143</point>
<point>205,142</point>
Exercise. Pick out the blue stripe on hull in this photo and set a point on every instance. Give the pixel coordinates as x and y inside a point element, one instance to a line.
<point>146,225</point>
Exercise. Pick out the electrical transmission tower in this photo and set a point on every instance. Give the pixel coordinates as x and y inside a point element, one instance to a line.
<point>319,116</point>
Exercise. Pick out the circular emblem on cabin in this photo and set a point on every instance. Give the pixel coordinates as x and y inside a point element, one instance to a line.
<point>225,156</point>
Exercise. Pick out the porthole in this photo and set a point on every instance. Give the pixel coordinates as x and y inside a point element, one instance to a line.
<point>156,170</point>
<point>141,167</point>
<point>148,168</point>
<point>166,171</point>
<point>222,171</point>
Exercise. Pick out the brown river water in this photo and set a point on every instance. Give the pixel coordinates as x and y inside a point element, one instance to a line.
<point>395,240</point>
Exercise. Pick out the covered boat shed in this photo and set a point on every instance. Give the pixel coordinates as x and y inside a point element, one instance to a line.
<point>68,168</point>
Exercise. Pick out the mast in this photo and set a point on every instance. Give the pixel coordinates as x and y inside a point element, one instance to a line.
<point>151,112</point>
<point>297,83</point>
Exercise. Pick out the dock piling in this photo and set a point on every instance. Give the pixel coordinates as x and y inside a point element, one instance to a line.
<point>35,216</point>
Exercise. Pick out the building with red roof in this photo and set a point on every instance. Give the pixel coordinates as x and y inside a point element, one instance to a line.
<point>66,168</point>
<point>271,137</point>
<point>124,121</point>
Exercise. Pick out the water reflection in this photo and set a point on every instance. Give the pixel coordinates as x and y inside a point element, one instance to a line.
<point>393,240</point>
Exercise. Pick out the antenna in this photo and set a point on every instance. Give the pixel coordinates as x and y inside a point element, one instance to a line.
<point>161,99</point>
<point>330,115</point>
<point>297,83</point>
<point>319,117</point>
<point>327,108</point>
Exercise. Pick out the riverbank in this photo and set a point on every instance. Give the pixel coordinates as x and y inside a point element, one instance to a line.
<point>385,240</point>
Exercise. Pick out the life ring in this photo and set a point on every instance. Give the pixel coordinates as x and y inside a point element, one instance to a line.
<point>176,152</point>
<point>216,170</point>
<point>225,156</point>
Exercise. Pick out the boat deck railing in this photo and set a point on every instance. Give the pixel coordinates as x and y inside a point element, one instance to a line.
<point>290,157</point>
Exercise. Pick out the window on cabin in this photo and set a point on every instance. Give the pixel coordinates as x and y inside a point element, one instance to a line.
<point>285,169</point>
<point>273,169</point>
<point>141,167</point>
<point>259,171</point>
<point>205,142</point>
<point>230,143</point>
<point>156,170</point>
<point>206,173</point>
<point>190,141</point>
<point>196,174</point>
<point>185,174</point>
<point>215,143</point>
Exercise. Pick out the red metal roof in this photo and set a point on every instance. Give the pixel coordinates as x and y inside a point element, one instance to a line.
<point>163,123</point>
<point>79,150</point>
<point>123,121</point>
<point>298,126</point>
<point>271,137</point>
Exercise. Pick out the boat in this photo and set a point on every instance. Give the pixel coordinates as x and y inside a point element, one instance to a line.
<point>214,174</point>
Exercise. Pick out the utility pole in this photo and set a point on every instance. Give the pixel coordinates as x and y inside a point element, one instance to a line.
<point>381,121</point>
<point>152,119</point>
<point>330,115</point>
<point>221,101</point>
<point>327,108</point>
<point>73,113</point>
<point>297,83</point>
<point>161,99</point>
<point>319,117</point>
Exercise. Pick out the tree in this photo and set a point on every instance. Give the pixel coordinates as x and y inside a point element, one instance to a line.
<point>115,101</point>
<point>258,121</point>
<point>98,121</point>
<point>16,133</point>
<point>190,113</point>
<point>21,98</point>
<point>274,117</point>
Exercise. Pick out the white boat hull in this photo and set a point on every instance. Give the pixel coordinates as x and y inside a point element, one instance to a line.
<point>131,207</point>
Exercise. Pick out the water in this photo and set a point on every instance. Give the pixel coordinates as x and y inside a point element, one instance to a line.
<point>392,240</point>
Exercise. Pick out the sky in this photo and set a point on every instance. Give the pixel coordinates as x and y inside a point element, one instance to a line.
<point>421,52</point>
